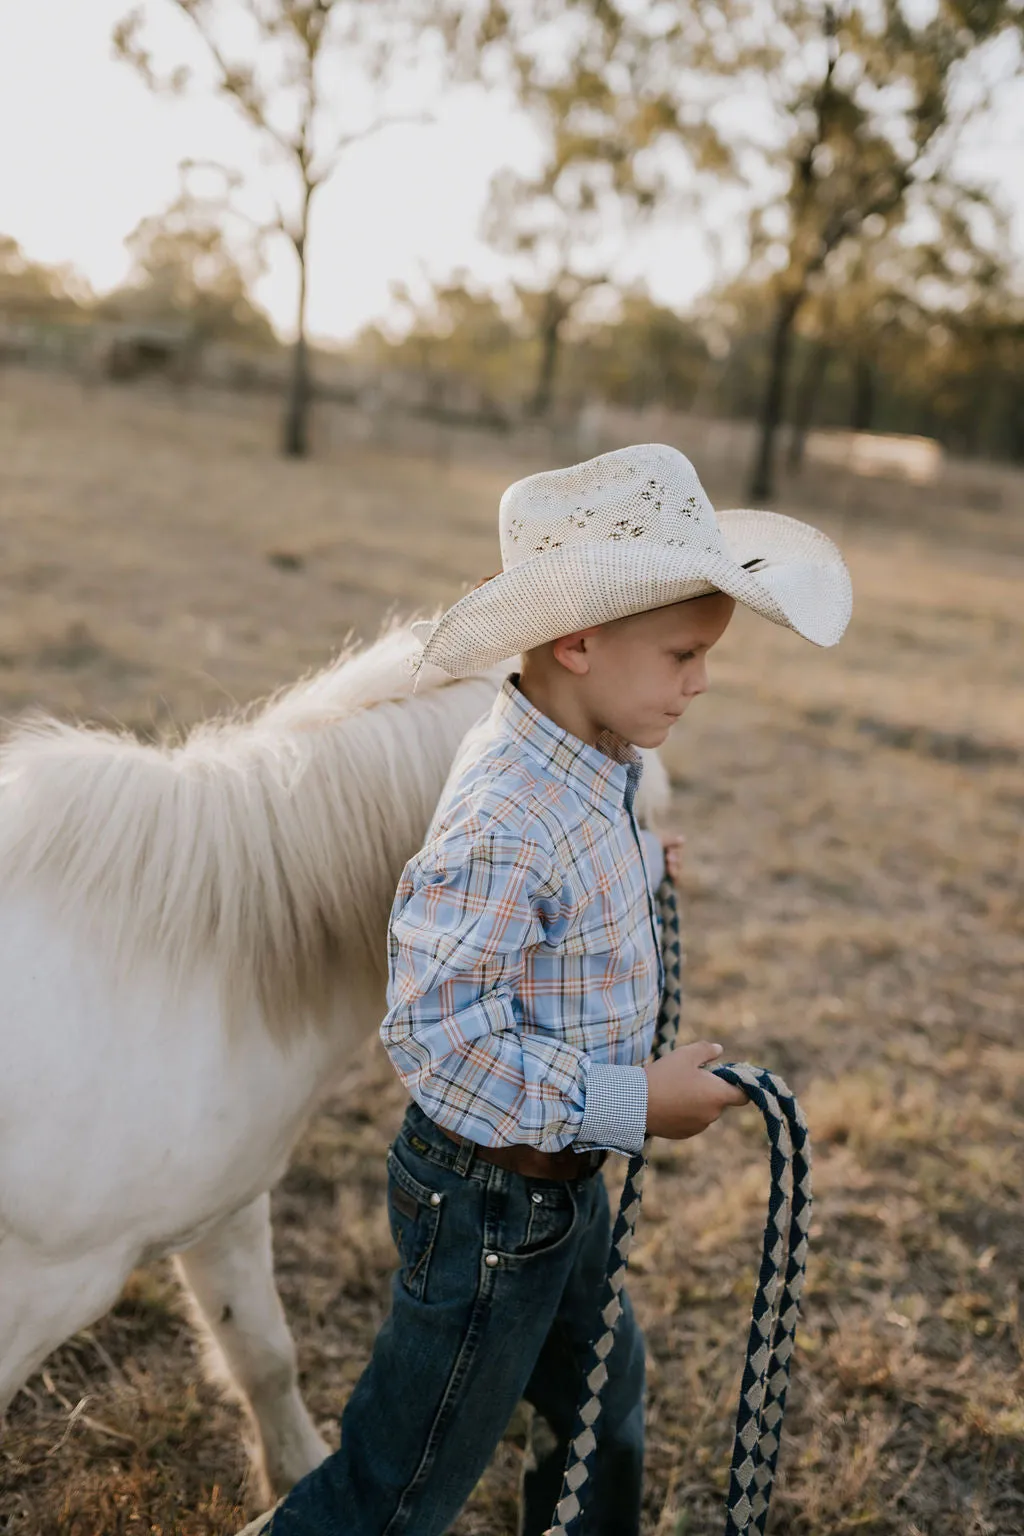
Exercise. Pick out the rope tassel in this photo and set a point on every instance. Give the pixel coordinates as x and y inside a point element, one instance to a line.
<point>780,1282</point>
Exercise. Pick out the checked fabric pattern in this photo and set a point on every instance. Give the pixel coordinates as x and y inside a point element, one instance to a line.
<point>776,1301</point>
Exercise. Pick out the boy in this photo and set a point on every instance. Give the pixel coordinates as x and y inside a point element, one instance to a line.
<point>525,978</point>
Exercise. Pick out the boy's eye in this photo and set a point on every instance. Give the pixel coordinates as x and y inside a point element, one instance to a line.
<point>685,655</point>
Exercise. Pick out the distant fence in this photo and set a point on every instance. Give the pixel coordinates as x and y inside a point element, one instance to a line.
<point>386,402</point>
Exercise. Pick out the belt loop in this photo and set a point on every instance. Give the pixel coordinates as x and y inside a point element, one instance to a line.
<point>464,1158</point>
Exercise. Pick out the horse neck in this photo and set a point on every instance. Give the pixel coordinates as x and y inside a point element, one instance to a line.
<point>265,849</point>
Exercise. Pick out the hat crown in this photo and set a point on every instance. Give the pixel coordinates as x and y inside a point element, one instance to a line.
<point>650,492</point>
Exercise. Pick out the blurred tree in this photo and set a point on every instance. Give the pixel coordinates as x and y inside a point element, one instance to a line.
<point>952,367</point>
<point>608,121</point>
<point>278,74</point>
<point>31,290</point>
<point>963,379</point>
<point>186,266</point>
<point>546,219</point>
<point>946,351</point>
<point>458,332</point>
<point>641,354</point>
<point>852,114</point>
<point>644,355</point>
<point>879,295</point>
<point>867,120</point>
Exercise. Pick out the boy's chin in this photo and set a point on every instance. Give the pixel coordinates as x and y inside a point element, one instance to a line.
<point>652,735</point>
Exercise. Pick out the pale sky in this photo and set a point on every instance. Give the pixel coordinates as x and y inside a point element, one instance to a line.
<point>88,151</point>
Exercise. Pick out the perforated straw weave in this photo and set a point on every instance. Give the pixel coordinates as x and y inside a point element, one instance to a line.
<point>776,1301</point>
<point>624,532</point>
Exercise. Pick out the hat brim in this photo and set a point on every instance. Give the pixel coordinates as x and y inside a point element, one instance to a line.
<point>800,581</point>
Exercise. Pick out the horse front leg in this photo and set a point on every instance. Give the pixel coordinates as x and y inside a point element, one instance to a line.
<point>43,1300</point>
<point>230,1275</point>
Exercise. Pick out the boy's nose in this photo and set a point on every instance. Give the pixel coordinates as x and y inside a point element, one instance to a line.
<point>697,681</point>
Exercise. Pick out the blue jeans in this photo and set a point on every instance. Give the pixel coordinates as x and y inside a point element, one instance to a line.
<point>494,1300</point>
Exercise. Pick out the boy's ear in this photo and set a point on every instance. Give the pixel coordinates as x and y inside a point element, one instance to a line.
<point>574,650</point>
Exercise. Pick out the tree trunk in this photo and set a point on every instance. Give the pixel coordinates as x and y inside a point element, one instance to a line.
<point>806,400</point>
<point>550,329</point>
<point>863,413</point>
<point>762,483</point>
<point>295,441</point>
<point>1013,414</point>
<point>979,413</point>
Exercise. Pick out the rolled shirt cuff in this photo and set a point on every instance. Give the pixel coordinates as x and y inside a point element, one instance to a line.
<point>615,1108</point>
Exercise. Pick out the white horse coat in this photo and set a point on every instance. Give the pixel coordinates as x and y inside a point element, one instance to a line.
<point>192,945</point>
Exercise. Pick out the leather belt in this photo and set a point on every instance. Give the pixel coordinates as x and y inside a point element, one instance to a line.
<point>534,1163</point>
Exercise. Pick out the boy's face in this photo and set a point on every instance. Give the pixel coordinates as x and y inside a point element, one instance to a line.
<point>637,675</point>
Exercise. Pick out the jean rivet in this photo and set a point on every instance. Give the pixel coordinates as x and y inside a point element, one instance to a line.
<point>435,1198</point>
<point>490,1259</point>
<point>537,1197</point>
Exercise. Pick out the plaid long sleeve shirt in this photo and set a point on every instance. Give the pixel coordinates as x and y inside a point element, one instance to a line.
<point>524,956</point>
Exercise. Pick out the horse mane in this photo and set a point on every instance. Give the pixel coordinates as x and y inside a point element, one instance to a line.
<point>267,844</point>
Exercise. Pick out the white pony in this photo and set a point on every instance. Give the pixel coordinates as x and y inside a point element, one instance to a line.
<point>192,946</point>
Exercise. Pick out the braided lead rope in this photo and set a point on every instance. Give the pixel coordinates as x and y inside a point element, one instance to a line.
<point>776,1302</point>
<point>776,1305</point>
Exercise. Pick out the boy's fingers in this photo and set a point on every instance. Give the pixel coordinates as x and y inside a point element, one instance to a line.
<point>702,1053</point>
<point>699,1052</point>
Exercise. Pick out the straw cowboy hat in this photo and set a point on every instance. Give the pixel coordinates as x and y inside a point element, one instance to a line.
<point>630,530</point>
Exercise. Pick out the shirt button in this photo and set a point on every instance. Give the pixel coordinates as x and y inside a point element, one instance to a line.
<point>490,1259</point>
<point>537,1198</point>
<point>435,1198</point>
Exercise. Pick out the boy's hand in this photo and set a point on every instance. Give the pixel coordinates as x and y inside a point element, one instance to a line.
<point>672,846</point>
<point>682,1100</point>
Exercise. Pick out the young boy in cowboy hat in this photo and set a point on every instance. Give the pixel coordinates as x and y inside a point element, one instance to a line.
<point>525,977</point>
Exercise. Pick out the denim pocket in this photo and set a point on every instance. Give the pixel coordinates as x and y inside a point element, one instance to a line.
<point>540,1216</point>
<point>414,1211</point>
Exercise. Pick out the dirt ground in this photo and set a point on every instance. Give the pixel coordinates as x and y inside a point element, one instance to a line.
<point>852,907</point>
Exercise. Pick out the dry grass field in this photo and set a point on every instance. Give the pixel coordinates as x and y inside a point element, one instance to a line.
<point>853,915</point>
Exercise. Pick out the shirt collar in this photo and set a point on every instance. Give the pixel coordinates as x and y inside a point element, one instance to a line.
<point>606,775</point>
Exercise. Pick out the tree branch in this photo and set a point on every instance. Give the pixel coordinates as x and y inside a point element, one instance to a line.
<point>346,140</point>
<point>235,81</point>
